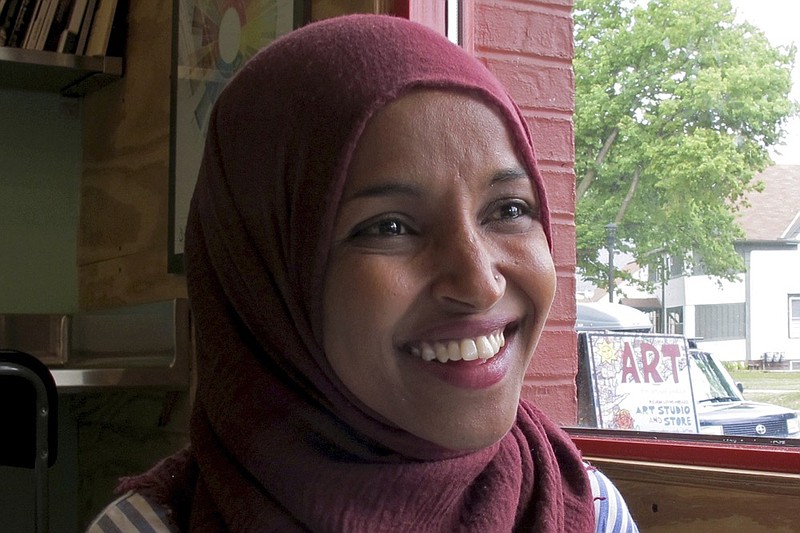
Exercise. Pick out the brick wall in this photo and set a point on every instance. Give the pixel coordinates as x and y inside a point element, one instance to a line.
<point>528,45</point>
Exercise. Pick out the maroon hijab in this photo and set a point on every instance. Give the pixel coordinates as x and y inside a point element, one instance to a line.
<point>277,442</point>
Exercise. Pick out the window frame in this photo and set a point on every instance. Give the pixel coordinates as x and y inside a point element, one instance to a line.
<point>675,327</point>
<point>793,322</point>
<point>739,453</point>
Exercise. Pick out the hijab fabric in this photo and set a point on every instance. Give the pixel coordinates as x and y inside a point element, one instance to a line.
<point>277,442</point>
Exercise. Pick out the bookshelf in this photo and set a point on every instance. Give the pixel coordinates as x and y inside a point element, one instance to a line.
<point>61,46</point>
<point>67,74</point>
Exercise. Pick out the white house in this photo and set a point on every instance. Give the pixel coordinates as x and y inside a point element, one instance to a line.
<point>760,313</point>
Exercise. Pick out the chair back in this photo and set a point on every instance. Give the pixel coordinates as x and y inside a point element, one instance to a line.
<point>29,418</point>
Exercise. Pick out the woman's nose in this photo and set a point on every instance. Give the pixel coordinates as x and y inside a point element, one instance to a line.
<point>466,275</point>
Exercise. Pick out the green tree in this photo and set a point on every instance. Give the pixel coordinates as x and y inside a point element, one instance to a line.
<point>676,108</point>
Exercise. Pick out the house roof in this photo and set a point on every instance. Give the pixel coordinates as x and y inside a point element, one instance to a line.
<point>774,214</point>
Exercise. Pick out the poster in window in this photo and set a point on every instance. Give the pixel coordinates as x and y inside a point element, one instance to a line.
<point>642,382</point>
<point>212,40</point>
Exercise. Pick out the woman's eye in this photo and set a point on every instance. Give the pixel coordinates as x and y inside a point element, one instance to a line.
<point>388,227</point>
<point>511,211</point>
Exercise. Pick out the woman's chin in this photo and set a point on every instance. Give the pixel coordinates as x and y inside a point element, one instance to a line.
<point>469,439</point>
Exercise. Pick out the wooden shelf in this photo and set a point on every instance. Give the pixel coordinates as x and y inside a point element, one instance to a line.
<point>68,74</point>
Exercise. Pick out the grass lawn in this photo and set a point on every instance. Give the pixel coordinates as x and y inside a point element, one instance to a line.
<point>786,387</point>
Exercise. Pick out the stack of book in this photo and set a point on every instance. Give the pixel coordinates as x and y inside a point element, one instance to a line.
<point>81,27</point>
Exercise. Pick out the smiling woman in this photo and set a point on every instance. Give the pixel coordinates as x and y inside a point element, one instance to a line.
<point>369,270</point>
<point>431,215</point>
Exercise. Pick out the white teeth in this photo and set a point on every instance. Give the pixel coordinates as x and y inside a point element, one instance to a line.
<point>469,351</point>
<point>427,352</point>
<point>453,350</point>
<point>484,347</point>
<point>494,342</point>
<point>441,352</point>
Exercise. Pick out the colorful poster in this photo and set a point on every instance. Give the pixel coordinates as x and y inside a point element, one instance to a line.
<point>642,382</point>
<point>214,38</point>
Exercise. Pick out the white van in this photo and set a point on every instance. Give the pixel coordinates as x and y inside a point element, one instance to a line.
<point>608,316</point>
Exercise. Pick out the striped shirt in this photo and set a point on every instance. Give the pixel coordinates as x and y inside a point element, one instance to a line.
<point>610,511</point>
<point>132,513</point>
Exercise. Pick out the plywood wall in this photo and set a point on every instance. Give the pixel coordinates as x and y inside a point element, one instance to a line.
<point>122,236</point>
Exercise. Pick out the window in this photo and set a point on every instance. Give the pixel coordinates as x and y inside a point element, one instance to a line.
<point>653,275</point>
<point>453,21</point>
<point>794,316</point>
<point>720,321</point>
<point>676,267</point>
<point>690,460</point>
<point>675,320</point>
<point>673,266</point>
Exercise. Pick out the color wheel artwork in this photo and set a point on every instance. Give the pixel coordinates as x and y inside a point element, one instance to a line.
<point>214,39</point>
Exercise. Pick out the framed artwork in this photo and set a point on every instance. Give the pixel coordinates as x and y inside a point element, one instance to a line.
<point>212,39</point>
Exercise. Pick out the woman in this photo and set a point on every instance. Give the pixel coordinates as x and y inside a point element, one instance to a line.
<point>369,269</point>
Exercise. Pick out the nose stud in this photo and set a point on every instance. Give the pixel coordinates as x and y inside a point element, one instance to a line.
<point>497,277</point>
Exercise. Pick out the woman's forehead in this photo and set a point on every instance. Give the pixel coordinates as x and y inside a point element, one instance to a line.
<point>431,131</point>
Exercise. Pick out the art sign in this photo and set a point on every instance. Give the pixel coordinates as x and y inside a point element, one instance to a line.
<point>642,382</point>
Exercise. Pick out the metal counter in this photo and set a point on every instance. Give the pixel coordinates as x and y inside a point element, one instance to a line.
<point>147,345</point>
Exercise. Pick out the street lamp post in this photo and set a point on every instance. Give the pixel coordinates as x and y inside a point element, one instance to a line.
<point>611,240</point>
<point>664,273</point>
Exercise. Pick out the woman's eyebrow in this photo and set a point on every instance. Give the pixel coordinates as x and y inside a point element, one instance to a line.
<point>407,189</point>
<point>385,189</point>
<point>509,174</point>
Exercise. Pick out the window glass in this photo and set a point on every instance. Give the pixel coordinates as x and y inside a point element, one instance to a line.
<point>665,149</point>
<point>675,320</point>
<point>710,384</point>
<point>720,321</point>
<point>676,267</point>
<point>794,316</point>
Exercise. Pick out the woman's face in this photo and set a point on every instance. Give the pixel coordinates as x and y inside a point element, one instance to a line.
<point>439,277</point>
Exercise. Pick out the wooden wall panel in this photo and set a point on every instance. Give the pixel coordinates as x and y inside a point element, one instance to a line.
<point>666,498</point>
<point>122,236</point>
